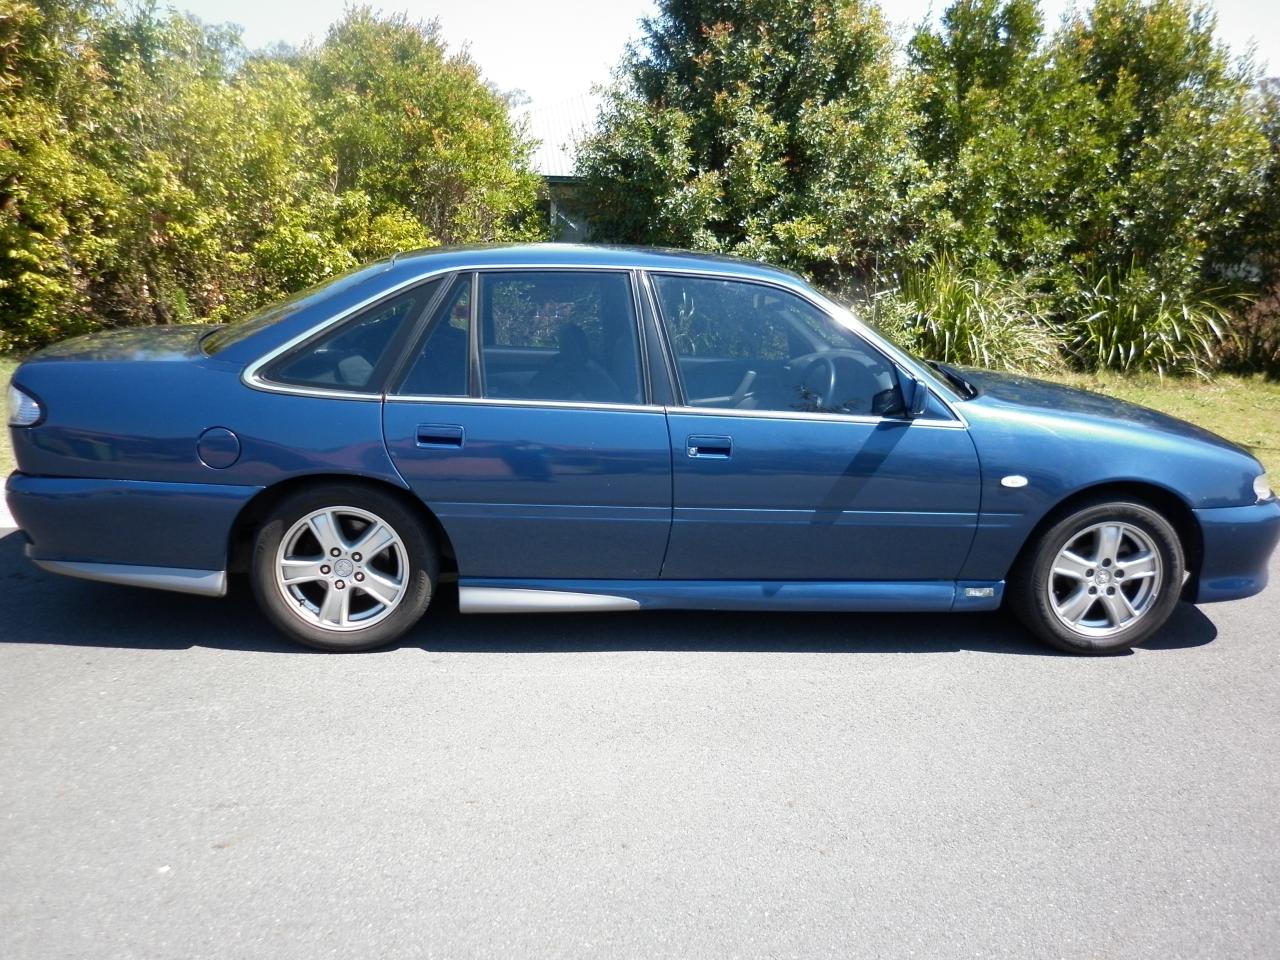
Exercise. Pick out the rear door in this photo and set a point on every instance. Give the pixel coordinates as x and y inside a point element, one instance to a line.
<point>524,422</point>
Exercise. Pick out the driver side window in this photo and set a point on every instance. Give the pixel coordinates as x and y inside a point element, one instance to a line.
<point>748,346</point>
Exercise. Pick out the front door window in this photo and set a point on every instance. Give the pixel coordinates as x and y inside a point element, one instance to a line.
<point>748,346</point>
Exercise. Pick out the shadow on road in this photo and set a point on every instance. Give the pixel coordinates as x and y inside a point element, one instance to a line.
<point>42,608</point>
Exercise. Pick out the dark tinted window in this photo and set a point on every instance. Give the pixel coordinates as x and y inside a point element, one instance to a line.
<point>441,367</point>
<point>346,357</point>
<point>559,335</point>
<point>749,346</point>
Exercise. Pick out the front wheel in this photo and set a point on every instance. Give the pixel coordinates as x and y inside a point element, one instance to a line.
<point>343,568</point>
<point>1100,580</point>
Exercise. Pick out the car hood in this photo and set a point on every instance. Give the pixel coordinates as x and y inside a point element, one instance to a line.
<point>1054,400</point>
<point>178,342</point>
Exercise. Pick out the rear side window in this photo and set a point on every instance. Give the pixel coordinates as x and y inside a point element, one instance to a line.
<point>559,335</point>
<point>347,357</point>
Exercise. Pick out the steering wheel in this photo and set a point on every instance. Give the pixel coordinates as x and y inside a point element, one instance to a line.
<point>806,364</point>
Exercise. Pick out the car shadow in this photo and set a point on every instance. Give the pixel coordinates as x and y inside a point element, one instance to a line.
<point>41,608</point>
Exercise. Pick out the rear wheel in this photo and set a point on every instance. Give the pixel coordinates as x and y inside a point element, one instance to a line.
<point>343,568</point>
<point>1101,580</point>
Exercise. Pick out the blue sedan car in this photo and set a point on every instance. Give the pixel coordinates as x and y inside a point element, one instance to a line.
<point>578,428</point>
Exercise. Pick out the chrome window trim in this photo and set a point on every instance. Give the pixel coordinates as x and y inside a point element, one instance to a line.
<point>514,402</point>
<point>825,305</point>
<point>813,415</point>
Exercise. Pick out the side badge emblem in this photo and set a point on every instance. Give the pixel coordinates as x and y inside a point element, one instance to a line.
<point>1014,480</point>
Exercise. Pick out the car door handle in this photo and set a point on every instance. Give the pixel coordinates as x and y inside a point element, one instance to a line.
<point>439,435</point>
<point>711,448</point>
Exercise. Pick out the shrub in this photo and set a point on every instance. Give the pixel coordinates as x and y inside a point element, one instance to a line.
<point>946,312</point>
<point>1255,343</point>
<point>1128,322</point>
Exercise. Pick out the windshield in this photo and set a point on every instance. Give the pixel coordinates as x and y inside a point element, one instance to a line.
<point>228,336</point>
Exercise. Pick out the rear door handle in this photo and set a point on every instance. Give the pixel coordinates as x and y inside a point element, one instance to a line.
<point>439,435</point>
<point>711,448</point>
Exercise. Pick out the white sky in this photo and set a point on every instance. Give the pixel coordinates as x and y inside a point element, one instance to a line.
<point>558,49</point>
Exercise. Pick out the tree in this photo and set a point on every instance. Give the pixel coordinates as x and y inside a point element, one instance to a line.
<point>405,122</point>
<point>1129,141</point>
<point>151,171</point>
<point>773,129</point>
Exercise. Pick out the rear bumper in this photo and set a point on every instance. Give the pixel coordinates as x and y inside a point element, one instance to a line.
<point>1238,542</point>
<point>127,524</point>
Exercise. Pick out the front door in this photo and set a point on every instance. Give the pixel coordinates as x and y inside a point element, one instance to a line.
<point>792,459</point>
<point>524,425</point>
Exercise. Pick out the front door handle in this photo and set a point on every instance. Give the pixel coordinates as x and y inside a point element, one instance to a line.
<point>711,448</point>
<point>439,435</point>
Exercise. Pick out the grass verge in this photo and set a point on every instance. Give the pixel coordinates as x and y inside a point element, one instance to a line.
<point>1243,409</point>
<point>7,366</point>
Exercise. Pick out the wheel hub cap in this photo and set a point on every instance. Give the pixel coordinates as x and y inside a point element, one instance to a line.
<point>1105,578</point>
<point>342,569</point>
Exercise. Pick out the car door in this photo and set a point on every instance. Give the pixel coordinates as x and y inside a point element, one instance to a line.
<point>792,456</point>
<point>523,422</point>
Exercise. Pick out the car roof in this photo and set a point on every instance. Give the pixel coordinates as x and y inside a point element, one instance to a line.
<point>592,255</point>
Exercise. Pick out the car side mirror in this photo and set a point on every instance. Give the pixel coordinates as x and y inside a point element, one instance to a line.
<point>917,398</point>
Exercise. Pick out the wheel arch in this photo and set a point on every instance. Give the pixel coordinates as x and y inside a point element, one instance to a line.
<point>253,513</point>
<point>1164,501</point>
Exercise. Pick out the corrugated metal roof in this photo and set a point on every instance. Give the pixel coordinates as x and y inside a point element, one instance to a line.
<point>558,127</point>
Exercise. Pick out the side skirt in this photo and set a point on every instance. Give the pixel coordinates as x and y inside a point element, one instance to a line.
<point>564,596</point>
<point>204,583</point>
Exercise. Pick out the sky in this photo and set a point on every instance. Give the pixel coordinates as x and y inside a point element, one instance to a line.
<point>559,49</point>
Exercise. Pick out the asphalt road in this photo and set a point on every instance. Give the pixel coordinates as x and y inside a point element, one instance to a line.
<point>176,782</point>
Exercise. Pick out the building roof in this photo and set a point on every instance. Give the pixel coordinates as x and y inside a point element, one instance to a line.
<point>558,126</point>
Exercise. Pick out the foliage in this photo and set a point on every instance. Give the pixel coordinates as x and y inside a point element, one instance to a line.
<point>1128,137</point>
<point>987,319</point>
<point>1129,321</point>
<point>773,129</point>
<point>152,171</point>
<point>1119,165</point>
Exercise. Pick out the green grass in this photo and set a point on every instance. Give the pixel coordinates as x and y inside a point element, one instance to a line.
<point>1243,409</point>
<point>7,366</point>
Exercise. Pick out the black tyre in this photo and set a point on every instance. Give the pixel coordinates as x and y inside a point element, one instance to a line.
<point>343,567</point>
<point>1100,580</point>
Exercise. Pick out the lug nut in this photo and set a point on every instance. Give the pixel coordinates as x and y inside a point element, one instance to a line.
<point>1111,591</point>
<point>324,568</point>
<point>1093,590</point>
<point>1089,572</point>
<point>1106,562</point>
<point>359,578</point>
<point>334,552</point>
<point>339,584</point>
<point>1119,573</point>
<point>356,557</point>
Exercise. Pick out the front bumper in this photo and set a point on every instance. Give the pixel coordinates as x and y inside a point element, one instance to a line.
<point>126,523</point>
<point>1238,543</point>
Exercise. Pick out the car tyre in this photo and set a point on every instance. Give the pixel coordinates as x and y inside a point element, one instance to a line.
<point>1101,579</point>
<point>343,567</point>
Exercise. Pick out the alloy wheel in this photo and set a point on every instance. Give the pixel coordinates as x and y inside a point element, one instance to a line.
<point>1104,579</point>
<point>342,568</point>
